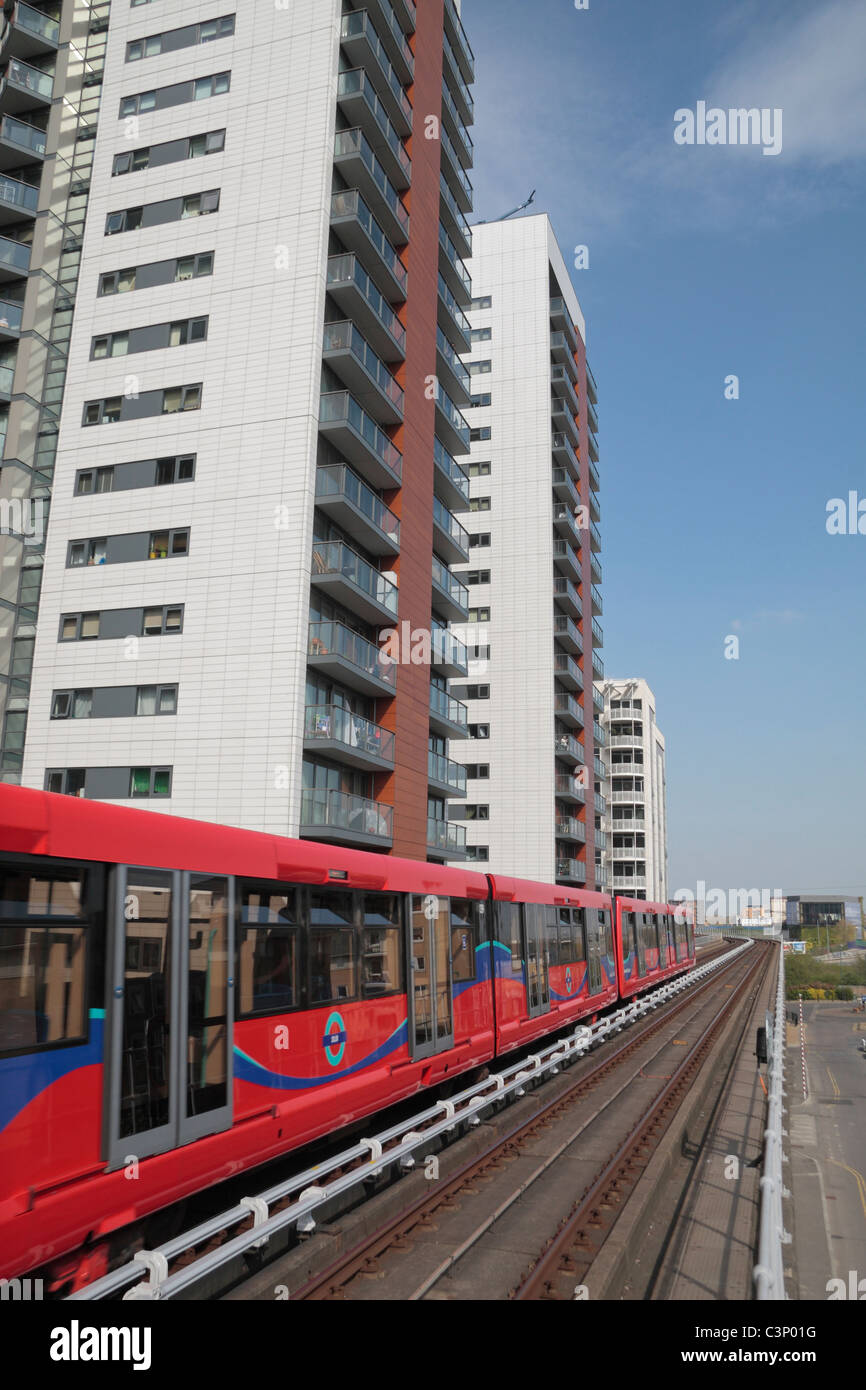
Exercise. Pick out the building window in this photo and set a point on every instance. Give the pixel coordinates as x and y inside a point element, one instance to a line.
<point>94,480</point>
<point>105,412</point>
<point>166,544</point>
<point>192,267</point>
<point>478,692</point>
<point>156,699</point>
<point>479,730</point>
<point>479,470</point>
<point>86,553</point>
<point>479,615</point>
<point>480,368</point>
<point>478,577</point>
<point>477,771</point>
<point>187,331</point>
<point>174,39</point>
<point>156,621</point>
<point>476,811</point>
<point>116,282</point>
<point>199,204</point>
<point>178,94</point>
<point>479,504</point>
<point>132,161</point>
<point>480,540</point>
<point>150,781</point>
<point>69,781</point>
<point>79,627</point>
<point>175,470</point>
<point>71,704</point>
<point>484,301</point>
<point>476,401</point>
<point>478,653</point>
<point>476,436</point>
<point>181,398</point>
<point>479,853</point>
<point>157,214</point>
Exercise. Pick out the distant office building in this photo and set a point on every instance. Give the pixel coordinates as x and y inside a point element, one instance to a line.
<point>637,840</point>
<point>825,910</point>
<point>534,770</point>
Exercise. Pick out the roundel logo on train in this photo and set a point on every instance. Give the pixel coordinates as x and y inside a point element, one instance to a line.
<point>334,1041</point>
<point>569,981</point>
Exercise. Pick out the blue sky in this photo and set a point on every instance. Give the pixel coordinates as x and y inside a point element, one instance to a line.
<point>707,261</point>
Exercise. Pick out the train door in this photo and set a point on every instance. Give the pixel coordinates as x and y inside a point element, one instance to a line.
<point>662,934</point>
<point>168,1073</point>
<point>536,957</point>
<point>593,950</point>
<point>431,1024</point>
<point>640,920</point>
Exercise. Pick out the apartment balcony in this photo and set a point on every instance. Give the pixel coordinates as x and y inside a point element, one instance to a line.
<point>393,34</point>
<point>454,219</point>
<point>569,828</point>
<point>451,370</point>
<point>567,633</point>
<point>597,604</point>
<point>359,166</point>
<point>592,416</point>
<point>350,580</point>
<point>566,560</point>
<point>10,320</point>
<point>23,86</point>
<point>456,176</point>
<point>448,717</point>
<point>359,439</point>
<point>7,375</point>
<point>595,569</point>
<point>451,317</point>
<point>630,853</point>
<point>32,33</point>
<point>597,634</point>
<point>592,389</point>
<point>625,741</point>
<point>562,383</point>
<point>616,826</point>
<point>563,353</point>
<point>564,453</point>
<point>563,421</point>
<point>565,523</point>
<point>568,709</point>
<point>625,884</point>
<point>599,733</point>
<point>561,319</point>
<point>446,838</point>
<point>567,597</point>
<point>453,123</point>
<point>600,803</point>
<point>345,348</point>
<point>569,789</point>
<point>456,275</point>
<point>595,537</point>
<point>332,815</point>
<point>593,448</point>
<point>450,539</point>
<point>456,35</point>
<point>600,839</point>
<point>629,797</point>
<point>362,106</point>
<point>445,776</point>
<point>359,231</point>
<point>461,93</point>
<point>567,671</point>
<point>14,259</point>
<point>450,597</point>
<point>566,747</point>
<point>347,499</point>
<point>597,700</point>
<point>336,651</point>
<point>570,871</point>
<point>451,427</point>
<point>448,654</point>
<point>594,507</point>
<point>594,480</point>
<point>450,482</point>
<point>365,49</point>
<point>335,732</point>
<point>357,296</point>
<point>20,142</point>
<point>565,488</point>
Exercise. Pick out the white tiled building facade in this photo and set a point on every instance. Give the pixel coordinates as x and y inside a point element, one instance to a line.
<point>534,773</point>
<point>637,839</point>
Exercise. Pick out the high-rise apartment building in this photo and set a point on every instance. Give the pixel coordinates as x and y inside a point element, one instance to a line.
<point>534,759</point>
<point>637,854</point>
<point>51,63</point>
<point>261,496</point>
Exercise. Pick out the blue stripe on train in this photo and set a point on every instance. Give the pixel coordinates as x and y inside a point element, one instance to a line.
<point>24,1077</point>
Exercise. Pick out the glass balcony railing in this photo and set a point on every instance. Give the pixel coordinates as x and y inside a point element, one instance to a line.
<point>454,209</point>
<point>597,634</point>
<point>454,309</point>
<point>452,470</point>
<point>31,79</point>
<point>325,808</point>
<point>600,735</point>
<point>37,22</point>
<point>463,134</point>
<point>447,773</point>
<point>597,666</point>
<point>450,584</point>
<point>14,255</point>
<point>596,598</point>
<point>563,479</point>
<point>333,723</point>
<point>446,837</point>
<point>339,407</point>
<point>21,133</point>
<point>7,375</point>
<point>335,557</point>
<point>454,259</point>
<point>10,315</point>
<point>565,745</point>
<point>463,45</point>
<point>338,480</point>
<point>450,525</point>
<point>569,828</point>
<point>356,82</point>
<point>453,360</point>
<point>452,414</point>
<point>342,269</point>
<point>349,203</point>
<point>595,533</point>
<point>460,173</point>
<point>359,25</point>
<point>335,639</point>
<point>567,705</point>
<point>565,627</point>
<point>447,707</point>
<point>397,33</point>
<point>345,337</point>
<point>592,388</point>
<point>348,142</point>
<point>468,99</point>
<point>571,868</point>
<point>446,648</point>
<point>567,785</point>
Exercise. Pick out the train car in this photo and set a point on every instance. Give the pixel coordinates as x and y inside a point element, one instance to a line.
<point>180,1001</point>
<point>654,941</point>
<point>554,963</point>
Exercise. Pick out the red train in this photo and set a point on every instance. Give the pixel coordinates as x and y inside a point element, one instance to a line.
<point>181,1001</point>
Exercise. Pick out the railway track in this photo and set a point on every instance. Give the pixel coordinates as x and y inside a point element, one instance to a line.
<point>540,1154</point>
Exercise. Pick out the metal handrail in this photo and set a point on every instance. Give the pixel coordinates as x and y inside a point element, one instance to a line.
<point>769,1272</point>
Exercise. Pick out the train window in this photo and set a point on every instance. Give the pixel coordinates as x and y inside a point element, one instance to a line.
<point>268,939</point>
<point>606,933</point>
<point>509,934</point>
<point>463,940</point>
<point>628,933</point>
<point>381,946</point>
<point>333,968</point>
<point>207,994</point>
<point>579,921</point>
<point>42,958</point>
<point>565,946</point>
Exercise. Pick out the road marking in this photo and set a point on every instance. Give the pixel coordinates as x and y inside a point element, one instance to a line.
<point>836,1090</point>
<point>859,1179</point>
